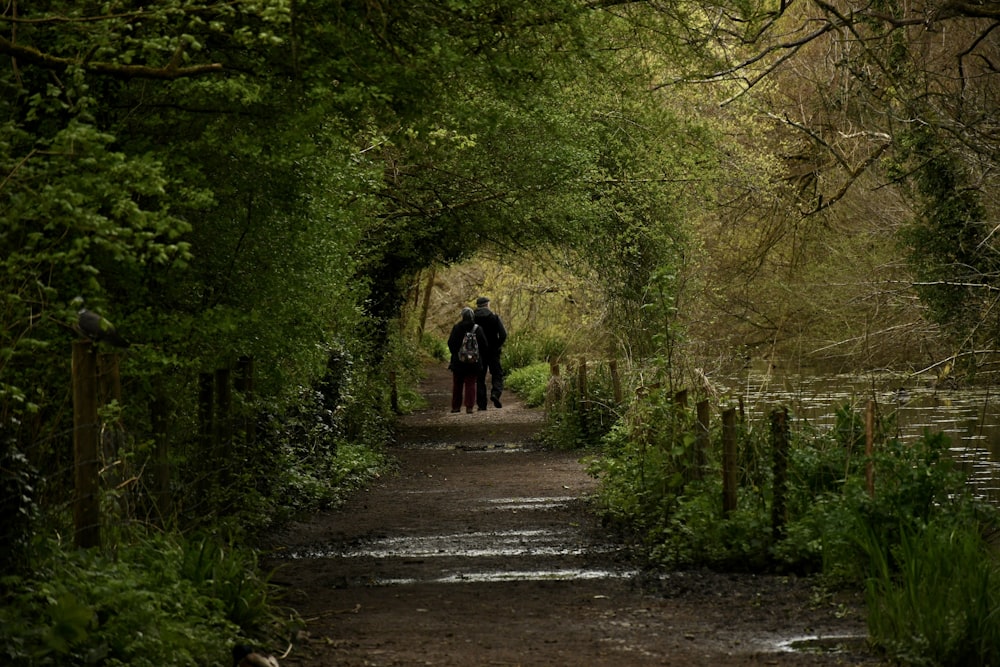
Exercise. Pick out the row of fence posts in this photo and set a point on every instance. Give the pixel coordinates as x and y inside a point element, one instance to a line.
<point>731,418</point>
<point>96,383</point>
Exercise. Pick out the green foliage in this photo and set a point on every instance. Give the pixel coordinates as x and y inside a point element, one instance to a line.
<point>435,347</point>
<point>530,383</point>
<point>933,596</point>
<point>256,183</point>
<point>159,601</point>
<point>697,533</point>
<point>575,419</point>
<point>647,459</point>
<point>231,577</point>
<point>520,351</point>
<point>946,242</point>
<point>260,180</point>
<point>653,490</point>
<point>525,348</point>
<point>17,505</point>
<point>311,456</point>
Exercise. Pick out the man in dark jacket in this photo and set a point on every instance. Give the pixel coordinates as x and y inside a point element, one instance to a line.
<point>496,334</point>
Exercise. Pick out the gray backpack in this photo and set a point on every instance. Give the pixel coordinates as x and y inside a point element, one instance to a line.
<point>469,352</point>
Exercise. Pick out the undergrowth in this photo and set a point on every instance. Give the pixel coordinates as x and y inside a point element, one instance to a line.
<point>530,383</point>
<point>159,601</point>
<point>185,592</point>
<point>913,539</point>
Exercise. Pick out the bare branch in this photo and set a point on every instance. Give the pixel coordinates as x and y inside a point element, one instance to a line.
<point>171,71</point>
<point>56,19</point>
<point>785,46</point>
<point>952,283</point>
<point>958,8</point>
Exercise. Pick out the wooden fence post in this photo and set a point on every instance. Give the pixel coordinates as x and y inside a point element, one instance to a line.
<point>870,448</point>
<point>223,405</point>
<point>206,410</point>
<point>701,442</point>
<point>553,391</point>
<point>729,477</point>
<point>616,381</point>
<point>681,398</point>
<point>161,456</point>
<point>86,508</point>
<point>244,383</point>
<point>779,442</point>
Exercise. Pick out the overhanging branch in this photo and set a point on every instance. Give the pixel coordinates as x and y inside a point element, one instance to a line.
<point>173,70</point>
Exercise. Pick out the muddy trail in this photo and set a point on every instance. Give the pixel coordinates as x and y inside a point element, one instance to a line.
<point>481,549</point>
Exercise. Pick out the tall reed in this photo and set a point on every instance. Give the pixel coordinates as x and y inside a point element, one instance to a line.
<point>934,599</point>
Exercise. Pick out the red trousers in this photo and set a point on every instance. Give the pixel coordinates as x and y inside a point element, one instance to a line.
<point>463,386</point>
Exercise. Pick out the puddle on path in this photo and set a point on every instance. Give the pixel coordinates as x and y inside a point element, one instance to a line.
<point>523,575</point>
<point>556,502</point>
<point>824,644</point>
<point>461,545</point>
<point>445,445</point>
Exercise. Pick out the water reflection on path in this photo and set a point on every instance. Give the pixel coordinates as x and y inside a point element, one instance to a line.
<point>969,417</point>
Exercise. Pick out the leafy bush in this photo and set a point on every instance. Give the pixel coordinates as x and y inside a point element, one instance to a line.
<point>230,576</point>
<point>575,420</point>
<point>524,349</point>
<point>306,457</point>
<point>914,483</point>
<point>435,347</point>
<point>648,481</point>
<point>520,351</point>
<point>673,509</point>
<point>161,601</point>
<point>17,505</point>
<point>530,382</point>
<point>933,598</point>
<point>932,581</point>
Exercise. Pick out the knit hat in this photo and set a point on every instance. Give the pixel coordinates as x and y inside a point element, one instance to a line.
<point>482,301</point>
<point>468,315</point>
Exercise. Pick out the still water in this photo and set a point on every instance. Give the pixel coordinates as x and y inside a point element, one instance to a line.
<point>969,417</point>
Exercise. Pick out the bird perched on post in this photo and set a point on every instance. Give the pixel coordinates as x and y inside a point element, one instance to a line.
<point>98,328</point>
<point>246,656</point>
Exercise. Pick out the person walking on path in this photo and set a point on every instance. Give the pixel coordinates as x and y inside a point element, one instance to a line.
<point>496,335</point>
<point>464,374</point>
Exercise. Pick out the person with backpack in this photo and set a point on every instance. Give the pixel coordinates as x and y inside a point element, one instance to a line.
<point>468,345</point>
<point>496,335</point>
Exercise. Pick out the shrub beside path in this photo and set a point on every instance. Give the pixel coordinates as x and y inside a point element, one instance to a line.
<point>481,549</point>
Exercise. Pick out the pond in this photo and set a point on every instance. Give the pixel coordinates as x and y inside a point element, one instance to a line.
<point>970,417</point>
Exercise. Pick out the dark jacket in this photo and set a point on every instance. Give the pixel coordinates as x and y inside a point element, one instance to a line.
<point>455,342</point>
<point>491,323</point>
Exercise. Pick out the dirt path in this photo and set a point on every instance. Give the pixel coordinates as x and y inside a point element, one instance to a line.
<point>480,551</point>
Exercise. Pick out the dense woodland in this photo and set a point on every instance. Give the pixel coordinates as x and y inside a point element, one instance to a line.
<point>267,187</point>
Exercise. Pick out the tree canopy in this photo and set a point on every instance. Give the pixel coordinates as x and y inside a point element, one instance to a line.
<point>265,178</point>
<point>250,190</point>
